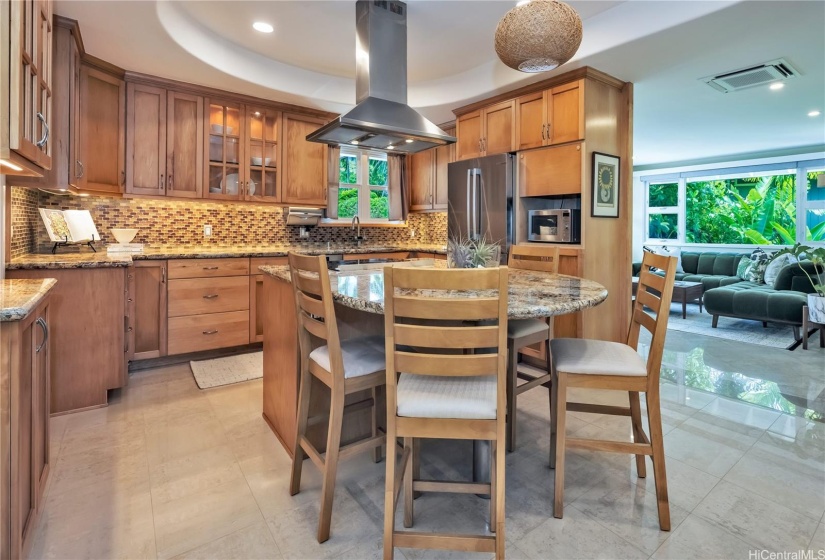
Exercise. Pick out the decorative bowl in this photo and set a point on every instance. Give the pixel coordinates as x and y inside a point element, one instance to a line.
<point>259,160</point>
<point>124,235</point>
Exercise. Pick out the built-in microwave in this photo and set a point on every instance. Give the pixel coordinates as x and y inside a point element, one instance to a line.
<point>562,225</point>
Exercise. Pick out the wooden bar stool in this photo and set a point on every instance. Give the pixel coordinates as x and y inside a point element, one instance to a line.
<point>453,387</point>
<point>600,364</point>
<point>524,332</point>
<point>345,367</point>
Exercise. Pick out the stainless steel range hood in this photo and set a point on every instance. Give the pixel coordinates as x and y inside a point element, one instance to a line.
<point>382,120</point>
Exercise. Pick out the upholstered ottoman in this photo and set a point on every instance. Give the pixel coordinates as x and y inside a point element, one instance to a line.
<point>758,302</point>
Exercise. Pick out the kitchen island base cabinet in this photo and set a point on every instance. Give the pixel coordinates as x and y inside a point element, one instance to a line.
<point>24,421</point>
<point>147,310</point>
<point>88,334</point>
<point>281,370</point>
<point>194,333</point>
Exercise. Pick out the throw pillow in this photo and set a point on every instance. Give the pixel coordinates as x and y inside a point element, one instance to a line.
<point>775,265</point>
<point>742,268</point>
<point>756,271</point>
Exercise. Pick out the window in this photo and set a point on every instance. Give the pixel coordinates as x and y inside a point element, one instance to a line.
<point>362,189</point>
<point>757,205</point>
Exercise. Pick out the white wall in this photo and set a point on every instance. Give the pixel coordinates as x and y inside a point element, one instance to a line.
<point>639,231</point>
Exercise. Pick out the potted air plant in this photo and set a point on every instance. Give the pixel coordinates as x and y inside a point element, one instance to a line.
<point>467,253</point>
<point>816,256</point>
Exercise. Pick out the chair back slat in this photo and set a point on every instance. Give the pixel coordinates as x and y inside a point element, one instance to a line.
<point>470,309</point>
<point>441,279</point>
<point>446,337</point>
<point>649,300</point>
<point>655,292</point>
<point>456,364</point>
<point>314,326</point>
<point>314,309</point>
<point>311,305</point>
<point>534,257</point>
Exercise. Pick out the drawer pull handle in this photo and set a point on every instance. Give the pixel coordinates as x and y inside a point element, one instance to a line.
<point>211,332</point>
<point>210,268</point>
<point>210,296</point>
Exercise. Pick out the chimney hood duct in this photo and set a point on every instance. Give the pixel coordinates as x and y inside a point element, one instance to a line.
<point>382,120</point>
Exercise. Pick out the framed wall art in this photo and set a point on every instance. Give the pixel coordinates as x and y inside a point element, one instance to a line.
<point>605,196</point>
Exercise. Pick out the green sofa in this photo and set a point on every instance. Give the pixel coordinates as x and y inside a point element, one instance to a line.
<point>725,294</point>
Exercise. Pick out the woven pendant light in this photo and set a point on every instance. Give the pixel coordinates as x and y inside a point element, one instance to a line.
<point>538,36</point>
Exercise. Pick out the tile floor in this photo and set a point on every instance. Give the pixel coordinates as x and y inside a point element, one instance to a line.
<point>170,471</point>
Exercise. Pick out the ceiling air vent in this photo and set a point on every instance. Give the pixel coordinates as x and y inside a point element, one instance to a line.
<point>773,71</point>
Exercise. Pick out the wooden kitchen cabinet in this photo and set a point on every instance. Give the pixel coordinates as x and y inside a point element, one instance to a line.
<point>552,116</point>
<point>164,142</point>
<point>261,142</point>
<point>87,332</point>
<point>256,294</point>
<point>26,64</point>
<point>25,361</point>
<point>487,131</point>
<point>223,167</point>
<point>148,315</point>
<point>304,164</point>
<point>428,177</point>
<point>551,171</point>
<point>100,158</point>
<point>422,180</point>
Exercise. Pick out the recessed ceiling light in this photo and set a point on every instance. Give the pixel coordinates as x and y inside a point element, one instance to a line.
<point>777,85</point>
<point>814,114</point>
<point>263,27</point>
<point>354,142</point>
<point>409,140</point>
<point>390,147</point>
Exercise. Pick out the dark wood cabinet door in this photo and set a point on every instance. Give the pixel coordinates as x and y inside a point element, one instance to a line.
<point>150,318</point>
<point>101,125</point>
<point>145,140</point>
<point>184,145</point>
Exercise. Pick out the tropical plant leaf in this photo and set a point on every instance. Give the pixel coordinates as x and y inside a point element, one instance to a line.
<point>756,237</point>
<point>817,233</point>
<point>786,236</point>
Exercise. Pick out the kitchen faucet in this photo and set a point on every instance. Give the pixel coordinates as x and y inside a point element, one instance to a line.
<point>356,227</point>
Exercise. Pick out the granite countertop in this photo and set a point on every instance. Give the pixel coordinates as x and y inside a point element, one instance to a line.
<point>531,294</point>
<point>18,298</point>
<point>101,259</point>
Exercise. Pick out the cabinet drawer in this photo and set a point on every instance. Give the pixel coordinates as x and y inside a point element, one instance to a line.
<point>208,268</point>
<point>194,333</point>
<point>194,296</point>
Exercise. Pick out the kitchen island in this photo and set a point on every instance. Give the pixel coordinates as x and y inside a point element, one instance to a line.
<point>359,299</point>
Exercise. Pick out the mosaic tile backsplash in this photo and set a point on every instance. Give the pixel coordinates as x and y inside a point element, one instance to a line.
<point>174,222</point>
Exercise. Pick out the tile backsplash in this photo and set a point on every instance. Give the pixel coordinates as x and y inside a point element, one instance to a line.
<point>175,222</point>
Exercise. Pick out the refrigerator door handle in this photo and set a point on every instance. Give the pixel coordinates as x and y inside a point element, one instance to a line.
<point>470,191</point>
<point>476,210</point>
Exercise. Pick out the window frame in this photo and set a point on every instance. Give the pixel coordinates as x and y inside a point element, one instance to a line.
<point>362,185</point>
<point>799,168</point>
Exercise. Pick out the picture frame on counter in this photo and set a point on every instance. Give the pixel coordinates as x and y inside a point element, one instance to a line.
<point>605,198</point>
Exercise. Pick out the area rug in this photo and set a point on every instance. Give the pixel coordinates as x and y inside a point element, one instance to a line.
<point>741,330</point>
<point>229,370</point>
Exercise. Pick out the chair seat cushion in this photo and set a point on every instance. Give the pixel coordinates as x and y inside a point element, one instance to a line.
<point>361,356</point>
<point>430,396</point>
<point>598,357</point>
<point>517,328</point>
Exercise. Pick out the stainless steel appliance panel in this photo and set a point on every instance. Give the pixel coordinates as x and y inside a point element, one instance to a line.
<point>480,193</point>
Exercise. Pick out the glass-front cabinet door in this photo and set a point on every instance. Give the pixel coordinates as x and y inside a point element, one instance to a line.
<point>262,181</point>
<point>225,164</point>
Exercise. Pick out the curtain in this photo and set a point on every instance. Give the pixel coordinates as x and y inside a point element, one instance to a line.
<point>398,186</point>
<point>333,177</point>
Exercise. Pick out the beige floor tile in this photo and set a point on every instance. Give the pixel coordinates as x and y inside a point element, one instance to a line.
<point>576,536</point>
<point>686,485</point>
<point>741,413</point>
<point>194,473</point>
<point>83,439</point>
<point>756,520</point>
<point>253,542</point>
<point>630,511</point>
<point>167,441</point>
<point>788,473</point>
<point>706,447</point>
<point>196,519</point>
<point>122,466</point>
<point>818,540</point>
<point>698,539</point>
<point>97,522</point>
<point>269,481</point>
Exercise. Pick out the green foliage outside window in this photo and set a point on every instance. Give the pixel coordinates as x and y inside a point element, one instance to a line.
<point>347,203</point>
<point>664,195</point>
<point>348,166</point>
<point>749,210</point>
<point>379,204</point>
<point>662,226</point>
<point>378,172</point>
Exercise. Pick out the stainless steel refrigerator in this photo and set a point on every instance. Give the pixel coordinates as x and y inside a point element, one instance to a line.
<point>480,195</point>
